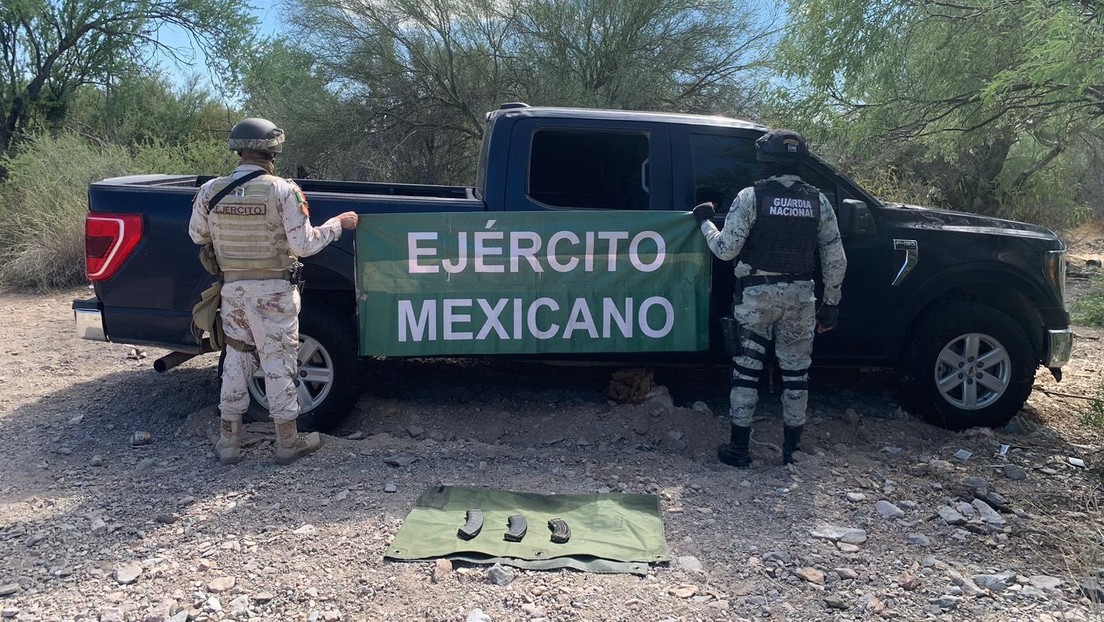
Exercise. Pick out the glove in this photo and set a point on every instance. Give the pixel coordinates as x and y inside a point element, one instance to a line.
<point>827,317</point>
<point>704,212</point>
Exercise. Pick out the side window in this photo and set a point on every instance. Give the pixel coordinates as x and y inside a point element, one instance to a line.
<point>723,166</point>
<point>817,178</point>
<point>590,169</point>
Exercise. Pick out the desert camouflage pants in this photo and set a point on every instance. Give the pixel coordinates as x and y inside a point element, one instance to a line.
<point>785,312</point>
<point>264,314</point>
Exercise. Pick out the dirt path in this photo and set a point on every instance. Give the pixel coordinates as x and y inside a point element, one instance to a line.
<point>93,529</point>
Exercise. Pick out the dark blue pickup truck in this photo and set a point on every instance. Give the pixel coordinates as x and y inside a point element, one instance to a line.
<point>966,307</point>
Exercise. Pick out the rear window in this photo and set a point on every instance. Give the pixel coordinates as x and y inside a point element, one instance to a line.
<point>590,169</point>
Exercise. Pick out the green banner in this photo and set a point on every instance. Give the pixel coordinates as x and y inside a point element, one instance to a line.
<point>531,282</point>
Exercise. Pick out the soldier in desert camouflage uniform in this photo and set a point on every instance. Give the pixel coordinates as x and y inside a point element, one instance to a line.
<point>774,230</point>
<point>258,231</point>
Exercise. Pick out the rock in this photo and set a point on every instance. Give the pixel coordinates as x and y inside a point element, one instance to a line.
<point>940,466</point>
<point>812,575</point>
<point>1044,582</point>
<point>8,613</point>
<point>855,497</point>
<point>127,573</point>
<point>239,606</point>
<point>966,584</point>
<point>213,605</point>
<point>690,563</point>
<point>919,539</point>
<point>848,535</point>
<point>161,612</point>
<point>703,408</point>
<point>9,589</point>
<point>477,615</point>
<point>165,519</point>
<point>181,616</point>
<point>97,460</point>
<point>331,615</point>
<point>951,516</point>
<point>263,597</point>
<point>35,539</point>
<point>888,510</point>
<point>908,581</point>
<point>111,614</point>
<point>988,514</point>
<point>993,583</point>
<point>306,530</point>
<point>846,574</point>
<point>870,603</point>
<point>851,416</point>
<point>390,487</point>
<point>779,557</point>
<point>945,601</point>
<point>400,460</point>
<point>442,569</point>
<point>835,602</point>
<point>500,575</point>
<point>1014,472</point>
<point>847,548</point>
<point>221,584</point>
<point>683,591</point>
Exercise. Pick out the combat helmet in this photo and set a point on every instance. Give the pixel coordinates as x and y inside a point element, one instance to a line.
<point>258,135</point>
<point>781,146</point>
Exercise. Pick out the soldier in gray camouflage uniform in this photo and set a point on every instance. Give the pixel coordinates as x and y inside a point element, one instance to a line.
<point>259,230</point>
<point>773,231</point>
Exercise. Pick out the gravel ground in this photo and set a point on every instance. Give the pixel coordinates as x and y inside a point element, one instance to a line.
<point>94,529</point>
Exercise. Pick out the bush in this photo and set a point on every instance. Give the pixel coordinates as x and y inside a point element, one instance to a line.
<point>46,194</point>
<point>1089,309</point>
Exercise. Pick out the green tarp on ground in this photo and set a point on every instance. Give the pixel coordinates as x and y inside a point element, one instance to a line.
<point>610,533</point>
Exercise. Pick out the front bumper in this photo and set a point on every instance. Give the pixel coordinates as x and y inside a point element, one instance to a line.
<point>89,320</point>
<point>1059,347</point>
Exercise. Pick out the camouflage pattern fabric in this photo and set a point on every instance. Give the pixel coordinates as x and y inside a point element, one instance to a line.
<point>728,243</point>
<point>784,312</point>
<point>264,314</point>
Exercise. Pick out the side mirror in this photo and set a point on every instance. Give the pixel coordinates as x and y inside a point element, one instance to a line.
<point>855,219</point>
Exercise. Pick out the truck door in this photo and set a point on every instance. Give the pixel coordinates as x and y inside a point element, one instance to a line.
<point>572,163</point>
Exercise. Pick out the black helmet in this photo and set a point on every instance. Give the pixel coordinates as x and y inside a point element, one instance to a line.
<point>781,146</point>
<point>258,135</point>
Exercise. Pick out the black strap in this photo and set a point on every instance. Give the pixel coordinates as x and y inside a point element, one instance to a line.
<point>796,385</point>
<point>230,187</point>
<point>746,371</point>
<point>756,337</point>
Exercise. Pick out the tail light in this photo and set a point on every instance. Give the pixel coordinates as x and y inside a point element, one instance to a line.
<point>108,241</point>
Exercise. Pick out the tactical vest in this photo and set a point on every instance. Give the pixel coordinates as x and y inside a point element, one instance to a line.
<point>784,236</point>
<point>247,229</point>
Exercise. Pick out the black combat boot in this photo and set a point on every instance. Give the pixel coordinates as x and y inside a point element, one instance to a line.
<point>789,442</point>
<point>735,453</point>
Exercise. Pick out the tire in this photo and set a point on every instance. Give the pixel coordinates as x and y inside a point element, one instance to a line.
<point>968,365</point>
<point>331,370</point>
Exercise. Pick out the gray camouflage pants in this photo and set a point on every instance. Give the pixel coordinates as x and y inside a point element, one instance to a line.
<point>785,312</point>
<point>264,314</point>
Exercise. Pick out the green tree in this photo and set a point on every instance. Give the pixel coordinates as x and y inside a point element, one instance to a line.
<point>50,48</point>
<point>980,100</point>
<point>417,76</point>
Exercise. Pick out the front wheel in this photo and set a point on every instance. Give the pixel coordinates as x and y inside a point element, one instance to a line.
<point>968,365</point>
<point>327,374</point>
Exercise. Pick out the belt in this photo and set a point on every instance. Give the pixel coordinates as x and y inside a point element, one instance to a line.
<point>769,279</point>
<point>255,275</point>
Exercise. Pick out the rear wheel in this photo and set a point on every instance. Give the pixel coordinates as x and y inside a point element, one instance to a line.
<point>968,365</point>
<point>327,370</point>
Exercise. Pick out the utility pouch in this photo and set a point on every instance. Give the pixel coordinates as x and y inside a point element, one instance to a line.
<point>295,275</point>
<point>730,332</point>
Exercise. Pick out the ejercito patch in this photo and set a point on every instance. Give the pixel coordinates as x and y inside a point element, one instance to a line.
<point>241,210</point>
